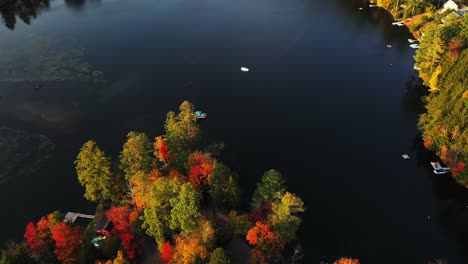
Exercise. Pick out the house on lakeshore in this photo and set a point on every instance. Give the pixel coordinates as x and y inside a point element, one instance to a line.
<point>78,219</point>
<point>449,5</point>
<point>102,225</point>
<point>454,15</point>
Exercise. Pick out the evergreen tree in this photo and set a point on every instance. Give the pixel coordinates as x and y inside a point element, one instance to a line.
<point>271,187</point>
<point>219,257</point>
<point>185,205</point>
<point>94,172</point>
<point>137,155</point>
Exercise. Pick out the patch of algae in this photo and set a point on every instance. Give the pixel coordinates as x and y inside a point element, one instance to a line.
<point>40,58</point>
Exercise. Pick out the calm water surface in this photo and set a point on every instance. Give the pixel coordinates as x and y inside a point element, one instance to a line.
<point>325,102</point>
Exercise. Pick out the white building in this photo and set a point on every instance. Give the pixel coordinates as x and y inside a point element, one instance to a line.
<point>449,5</point>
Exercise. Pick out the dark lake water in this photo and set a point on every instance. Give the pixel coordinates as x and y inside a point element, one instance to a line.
<point>326,103</point>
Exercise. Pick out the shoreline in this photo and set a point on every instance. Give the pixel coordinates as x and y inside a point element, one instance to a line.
<point>408,25</point>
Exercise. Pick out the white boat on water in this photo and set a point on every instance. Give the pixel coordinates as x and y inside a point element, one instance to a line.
<point>200,115</point>
<point>439,169</point>
<point>389,46</point>
<point>414,46</point>
<point>412,40</point>
<point>244,69</point>
<point>398,23</point>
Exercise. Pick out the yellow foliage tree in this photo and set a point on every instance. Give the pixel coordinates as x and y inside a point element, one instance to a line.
<point>120,259</point>
<point>435,79</point>
<point>384,3</point>
<point>188,250</point>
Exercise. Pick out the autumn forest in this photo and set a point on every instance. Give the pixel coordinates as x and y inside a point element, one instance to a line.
<point>171,192</point>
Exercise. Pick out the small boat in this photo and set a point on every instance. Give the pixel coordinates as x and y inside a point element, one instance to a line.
<point>372,5</point>
<point>398,23</point>
<point>411,40</point>
<point>414,46</point>
<point>360,8</point>
<point>389,46</point>
<point>245,69</point>
<point>439,169</point>
<point>200,115</point>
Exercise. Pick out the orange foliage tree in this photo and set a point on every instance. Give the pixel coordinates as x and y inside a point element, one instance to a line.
<point>68,240</point>
<point>260,234</point>
<point>347,261</point>
<point>188,250</point>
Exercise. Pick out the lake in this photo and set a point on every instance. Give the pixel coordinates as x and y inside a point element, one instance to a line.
<point>325,102</point>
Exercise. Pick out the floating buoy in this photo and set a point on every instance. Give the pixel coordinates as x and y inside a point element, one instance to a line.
<point>244,69</point>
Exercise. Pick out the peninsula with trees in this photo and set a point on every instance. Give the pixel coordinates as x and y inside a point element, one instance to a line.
<point>172,195</point>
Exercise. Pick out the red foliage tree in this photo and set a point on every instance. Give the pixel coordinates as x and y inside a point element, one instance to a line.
<point>199,175</point>
<point>427,143</point>
<point>38,237</point>
<point>36,244</point>
<point>260,233</point>
<point>167,251</point>
<point>199,166</point>
<point>67,242</point>
<point>160,147</point>
<point>122,218</point>
<point>460,167</point>
<point>130,244</point>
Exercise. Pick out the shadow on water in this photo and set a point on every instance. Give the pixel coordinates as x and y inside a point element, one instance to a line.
<point>28,10</point>
<point>25,10</point>
<point>79,5</point>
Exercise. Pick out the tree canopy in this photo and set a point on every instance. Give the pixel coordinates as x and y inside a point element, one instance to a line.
<point>94,172</point>
<point>270,187</point>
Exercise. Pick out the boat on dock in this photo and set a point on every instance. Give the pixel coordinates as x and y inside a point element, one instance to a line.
<point>200,115</point>
<point>438,169</point>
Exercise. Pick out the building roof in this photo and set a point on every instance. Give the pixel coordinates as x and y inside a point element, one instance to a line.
<point>454,14</point>
<point>101,222</point>
<point>450,5</point>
